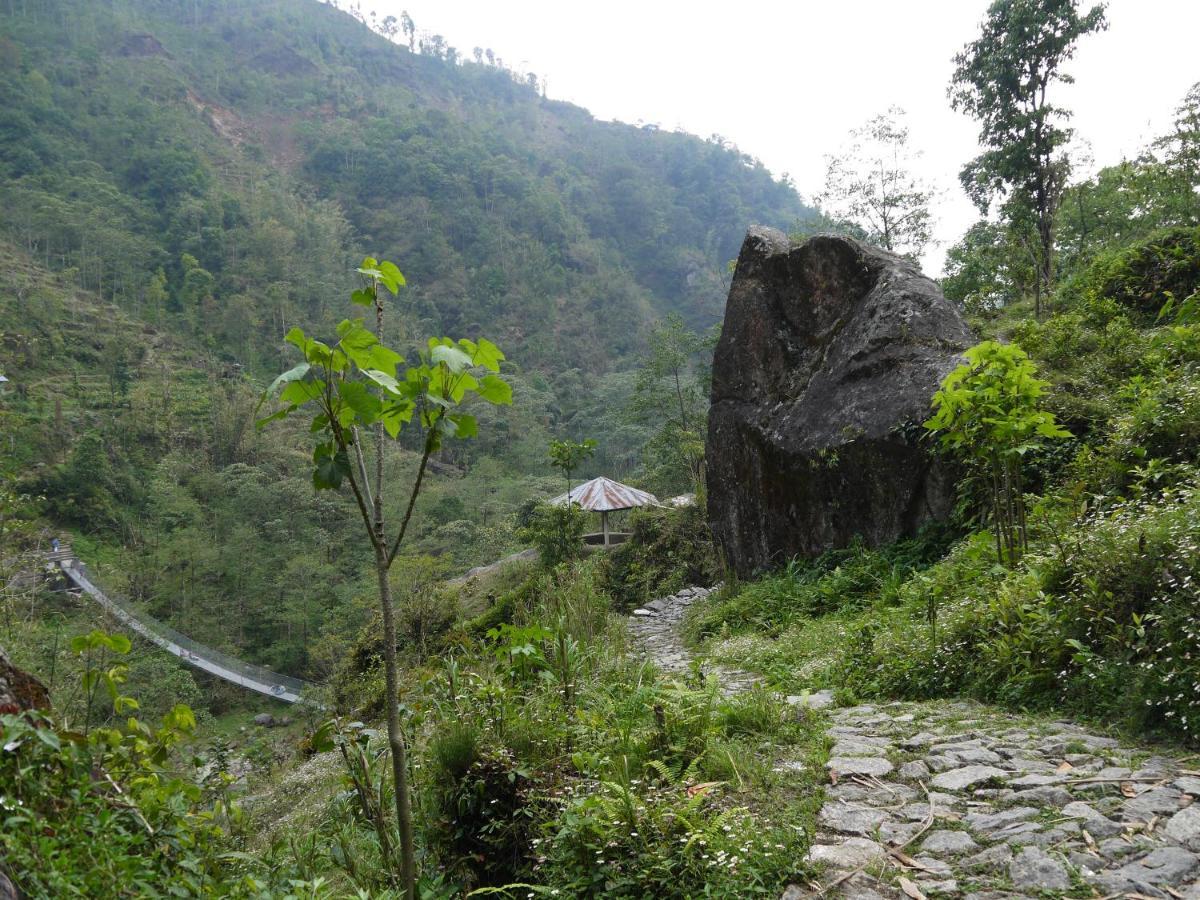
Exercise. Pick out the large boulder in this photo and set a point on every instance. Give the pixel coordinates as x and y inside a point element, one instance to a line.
<point>830,354</point>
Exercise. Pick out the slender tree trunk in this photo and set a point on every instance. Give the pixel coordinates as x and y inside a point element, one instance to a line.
<point>1020,492</point>
<point>996,515</point>
<point>1010,515</point>
<point>395,735</point>
<point>683,417</point>
<point>1046,263</point>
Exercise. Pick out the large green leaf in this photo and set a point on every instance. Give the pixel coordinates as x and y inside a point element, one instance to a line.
<point>487,355</point>
<point>365,405</point>
<point>267,420</point>
<point>382,358</point>
<point>293,374</point>
<point>452,357</point>
<point>391,276</point>
<point>318,353</point>
<point>384,272</point>
<point>358,343</point>
<point>465,425</point>
<point>396,415</point>
<point>297,338</point>
<point>353,332</point>
<point>330,467</point>
<point>384,380</point>
<point>495,390</point>
<point>300,392</point>
<point>119,643</point>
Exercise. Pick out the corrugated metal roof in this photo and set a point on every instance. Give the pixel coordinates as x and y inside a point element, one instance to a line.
<point>605,495</point>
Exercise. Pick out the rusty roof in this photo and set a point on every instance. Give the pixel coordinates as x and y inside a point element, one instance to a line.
<point>605,495</point>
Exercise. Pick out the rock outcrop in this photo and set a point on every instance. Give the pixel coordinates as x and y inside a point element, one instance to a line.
<point>829,356</point>
<point>20,691</point>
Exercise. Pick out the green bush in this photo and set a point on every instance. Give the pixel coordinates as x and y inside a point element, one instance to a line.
<point>621,838</point>
<point>668,549</point>
<point>1141,276</point>
<point>850,578</point>
<point>1100,623</point>
<point>556,532</point>
<point>103,811</point>
<point>484,807</point>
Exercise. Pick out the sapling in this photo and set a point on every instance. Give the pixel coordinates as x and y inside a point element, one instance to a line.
<point>989,414</point>
<point>356,385</point>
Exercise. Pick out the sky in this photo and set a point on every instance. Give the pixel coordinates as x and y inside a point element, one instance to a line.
<point>786,81</point>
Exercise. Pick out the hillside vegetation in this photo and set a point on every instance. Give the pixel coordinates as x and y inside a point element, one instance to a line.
<point>186,183</point>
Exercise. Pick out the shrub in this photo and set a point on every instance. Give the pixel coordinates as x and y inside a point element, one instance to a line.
<point>1141,276</point>
<point>850,578</point>
<point>484,809</point>
<point>667,550</point>
<point>102,815</point>
<point>989,413</point>
<point>619,838</point>
<point>556,532</point>
<point>1100,622</point>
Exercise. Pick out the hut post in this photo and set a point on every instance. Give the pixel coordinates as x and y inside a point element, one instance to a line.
<point>604,525</point>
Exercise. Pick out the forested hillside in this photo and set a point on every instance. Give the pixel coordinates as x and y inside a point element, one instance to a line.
<point>302,312</point>
<point>249,150</point>
<point>183,182</point>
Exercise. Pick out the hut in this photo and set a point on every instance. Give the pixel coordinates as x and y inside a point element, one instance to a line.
<point>603,495</point>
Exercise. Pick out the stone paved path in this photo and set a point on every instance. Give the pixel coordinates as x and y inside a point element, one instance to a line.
<point>956,799</point>
<point>656,628</point>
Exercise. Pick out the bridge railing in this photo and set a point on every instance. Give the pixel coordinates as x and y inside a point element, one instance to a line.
<point>249,675</point>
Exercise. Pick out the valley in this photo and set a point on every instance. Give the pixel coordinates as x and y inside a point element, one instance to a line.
<point>308,319</point>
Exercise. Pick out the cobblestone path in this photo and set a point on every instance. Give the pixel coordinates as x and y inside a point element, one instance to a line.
<point>956,799</point>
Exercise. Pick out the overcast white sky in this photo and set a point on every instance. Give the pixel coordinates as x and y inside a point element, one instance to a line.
<point>786,81</point>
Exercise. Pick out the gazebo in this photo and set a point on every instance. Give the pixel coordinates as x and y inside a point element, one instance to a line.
<point>603,495</point>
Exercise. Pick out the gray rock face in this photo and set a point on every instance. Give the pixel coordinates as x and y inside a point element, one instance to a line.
<point>850,854</point>
<point>830,353</point>
<point>851,819</point>
<point>1189,784</point>
<point>1155,802</point>
<point>815,700</point>
<point>1000,822</point>
<point>966,777</point>
<point>1032,869</point>
<point>989,860</point>
<point>859,765</point>
<point>949,842</point>
<point>1166,865</point>
<point>1184,827</point>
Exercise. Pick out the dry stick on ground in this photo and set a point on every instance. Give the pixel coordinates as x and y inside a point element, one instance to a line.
<point>1157,779</point>
<point>895,852</point>
<point>873,782</point>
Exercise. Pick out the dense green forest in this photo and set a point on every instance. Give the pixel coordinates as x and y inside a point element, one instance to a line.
<point>185,183</point>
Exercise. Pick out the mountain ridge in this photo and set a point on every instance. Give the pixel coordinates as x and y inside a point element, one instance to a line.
<point>494,199</point>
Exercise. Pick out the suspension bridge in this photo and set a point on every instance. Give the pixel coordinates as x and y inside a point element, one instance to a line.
<point>207,659</point>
